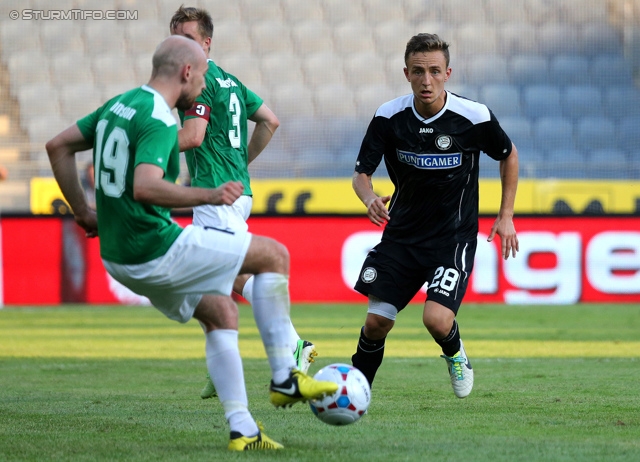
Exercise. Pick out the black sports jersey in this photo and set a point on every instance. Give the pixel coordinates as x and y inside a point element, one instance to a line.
<point>433,164</point>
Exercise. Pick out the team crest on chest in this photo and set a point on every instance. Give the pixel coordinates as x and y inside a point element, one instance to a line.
<point>443,142</point>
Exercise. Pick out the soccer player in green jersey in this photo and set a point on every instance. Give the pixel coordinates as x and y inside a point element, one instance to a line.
<point>185,272</point>
<point>214,139</point>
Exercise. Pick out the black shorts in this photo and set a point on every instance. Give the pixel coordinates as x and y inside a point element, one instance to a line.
<point>394,273</point>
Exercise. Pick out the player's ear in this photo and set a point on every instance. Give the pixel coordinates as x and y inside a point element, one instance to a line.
<point>186,73</point>
<point>406,73</point>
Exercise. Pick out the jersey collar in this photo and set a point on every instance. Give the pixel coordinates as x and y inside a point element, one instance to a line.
<point>434,117</point>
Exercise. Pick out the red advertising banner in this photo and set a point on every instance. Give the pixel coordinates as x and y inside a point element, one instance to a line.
<point>562,260</point>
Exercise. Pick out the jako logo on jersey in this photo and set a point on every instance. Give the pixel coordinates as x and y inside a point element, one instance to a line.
<point>369,275</point>
<point>226,83</point>
<point>443,142</point>
<point>426,130</point>
<point>430,161</point>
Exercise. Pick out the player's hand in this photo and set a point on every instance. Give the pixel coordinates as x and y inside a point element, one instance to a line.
<point>88,220</point>
<point>504,228</point>
<point>227,193</point>
<point>377,210</point>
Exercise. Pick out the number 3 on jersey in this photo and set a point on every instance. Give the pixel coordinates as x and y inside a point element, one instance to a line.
<point>114,155</point>
<point>234,109</point>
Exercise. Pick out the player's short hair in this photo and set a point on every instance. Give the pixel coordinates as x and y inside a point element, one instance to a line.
<point>188,14</point>
<point>172,54</point>
<point>426,42</point>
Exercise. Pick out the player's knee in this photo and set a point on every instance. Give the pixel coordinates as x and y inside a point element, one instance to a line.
<point>281,258</point>
<point>438,326</point>
<point>216,312</point>
<point>377,327</point>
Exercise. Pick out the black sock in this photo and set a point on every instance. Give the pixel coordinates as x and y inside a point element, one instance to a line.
<point>368,356</point>
<point>451,343</point>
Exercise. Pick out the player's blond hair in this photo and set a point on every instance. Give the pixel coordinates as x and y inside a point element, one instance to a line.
<point>188,14</point>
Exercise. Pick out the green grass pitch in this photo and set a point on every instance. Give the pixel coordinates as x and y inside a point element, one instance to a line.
<point>552,383</point>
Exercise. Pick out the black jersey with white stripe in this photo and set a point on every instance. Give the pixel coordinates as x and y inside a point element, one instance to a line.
<point>433,164</point>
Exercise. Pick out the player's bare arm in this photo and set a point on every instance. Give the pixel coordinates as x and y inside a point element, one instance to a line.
<point>376,206</point>
<point>192,133</point>
<point>61,151</point>
<point>150,187</point>
<point>266,125</point>
<point>503,226</point>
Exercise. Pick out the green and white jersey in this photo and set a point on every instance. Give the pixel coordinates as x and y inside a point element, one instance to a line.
<point>225,104</point>
<point>133,128</point>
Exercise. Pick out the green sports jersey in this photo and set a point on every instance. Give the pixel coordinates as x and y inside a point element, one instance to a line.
<point>226,104</point>
<point>133,128</point>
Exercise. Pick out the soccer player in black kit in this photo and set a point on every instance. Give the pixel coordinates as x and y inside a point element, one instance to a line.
<point>431,141</point>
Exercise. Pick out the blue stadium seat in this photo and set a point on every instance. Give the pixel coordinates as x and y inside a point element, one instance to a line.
<point>595,132</point>
<point>520,131</point>
<point>502,99</point>
<point>555,38</point>
<point>613,67</point>
<point>601,38</point>
<point>608,163</point>
<point>628,134</point>
<point>566,163</point>
<point>532,163</point>
<point>553,132</point>
<point>581,100</point>
<point>569,69</point>
<point>466,91</point>
<point>489,168</point>
<point>487,68</point>
<point>621,101</point>
<point>541,100</point>
<point>528,69</point>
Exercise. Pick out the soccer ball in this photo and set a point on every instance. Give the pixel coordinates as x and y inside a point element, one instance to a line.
<point>351,400</point>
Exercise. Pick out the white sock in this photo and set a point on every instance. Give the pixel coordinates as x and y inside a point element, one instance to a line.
<point>293,337</point>
<point>271,312</point>
<point>225,369</point>
<point>247,293</point>
<point>247,290</point>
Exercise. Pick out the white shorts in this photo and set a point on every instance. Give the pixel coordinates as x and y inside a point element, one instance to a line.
<point>200,261</point>
<point>231,217</point>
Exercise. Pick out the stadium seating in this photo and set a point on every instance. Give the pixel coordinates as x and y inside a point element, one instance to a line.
<point>558,75</point>
<point>628,134</point>
<point>581,100</point>
<point>528,69</point>
<point>487,68</point>
<point>614,67</point>
<point>595,132</point>
<point>502,99</point>
<point>566,163</point>
<point>532,163</point>
<point>569,69</point>
<point>553,132</point>
<point>520,131</point>
<point>270,36</point>
<point>608,163</point>
<point>541,100</point>
<point>621,100</point>
<point>311,36</point>
<point>599,38</point>
<point>358,63</point>
<point>353,37</point>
